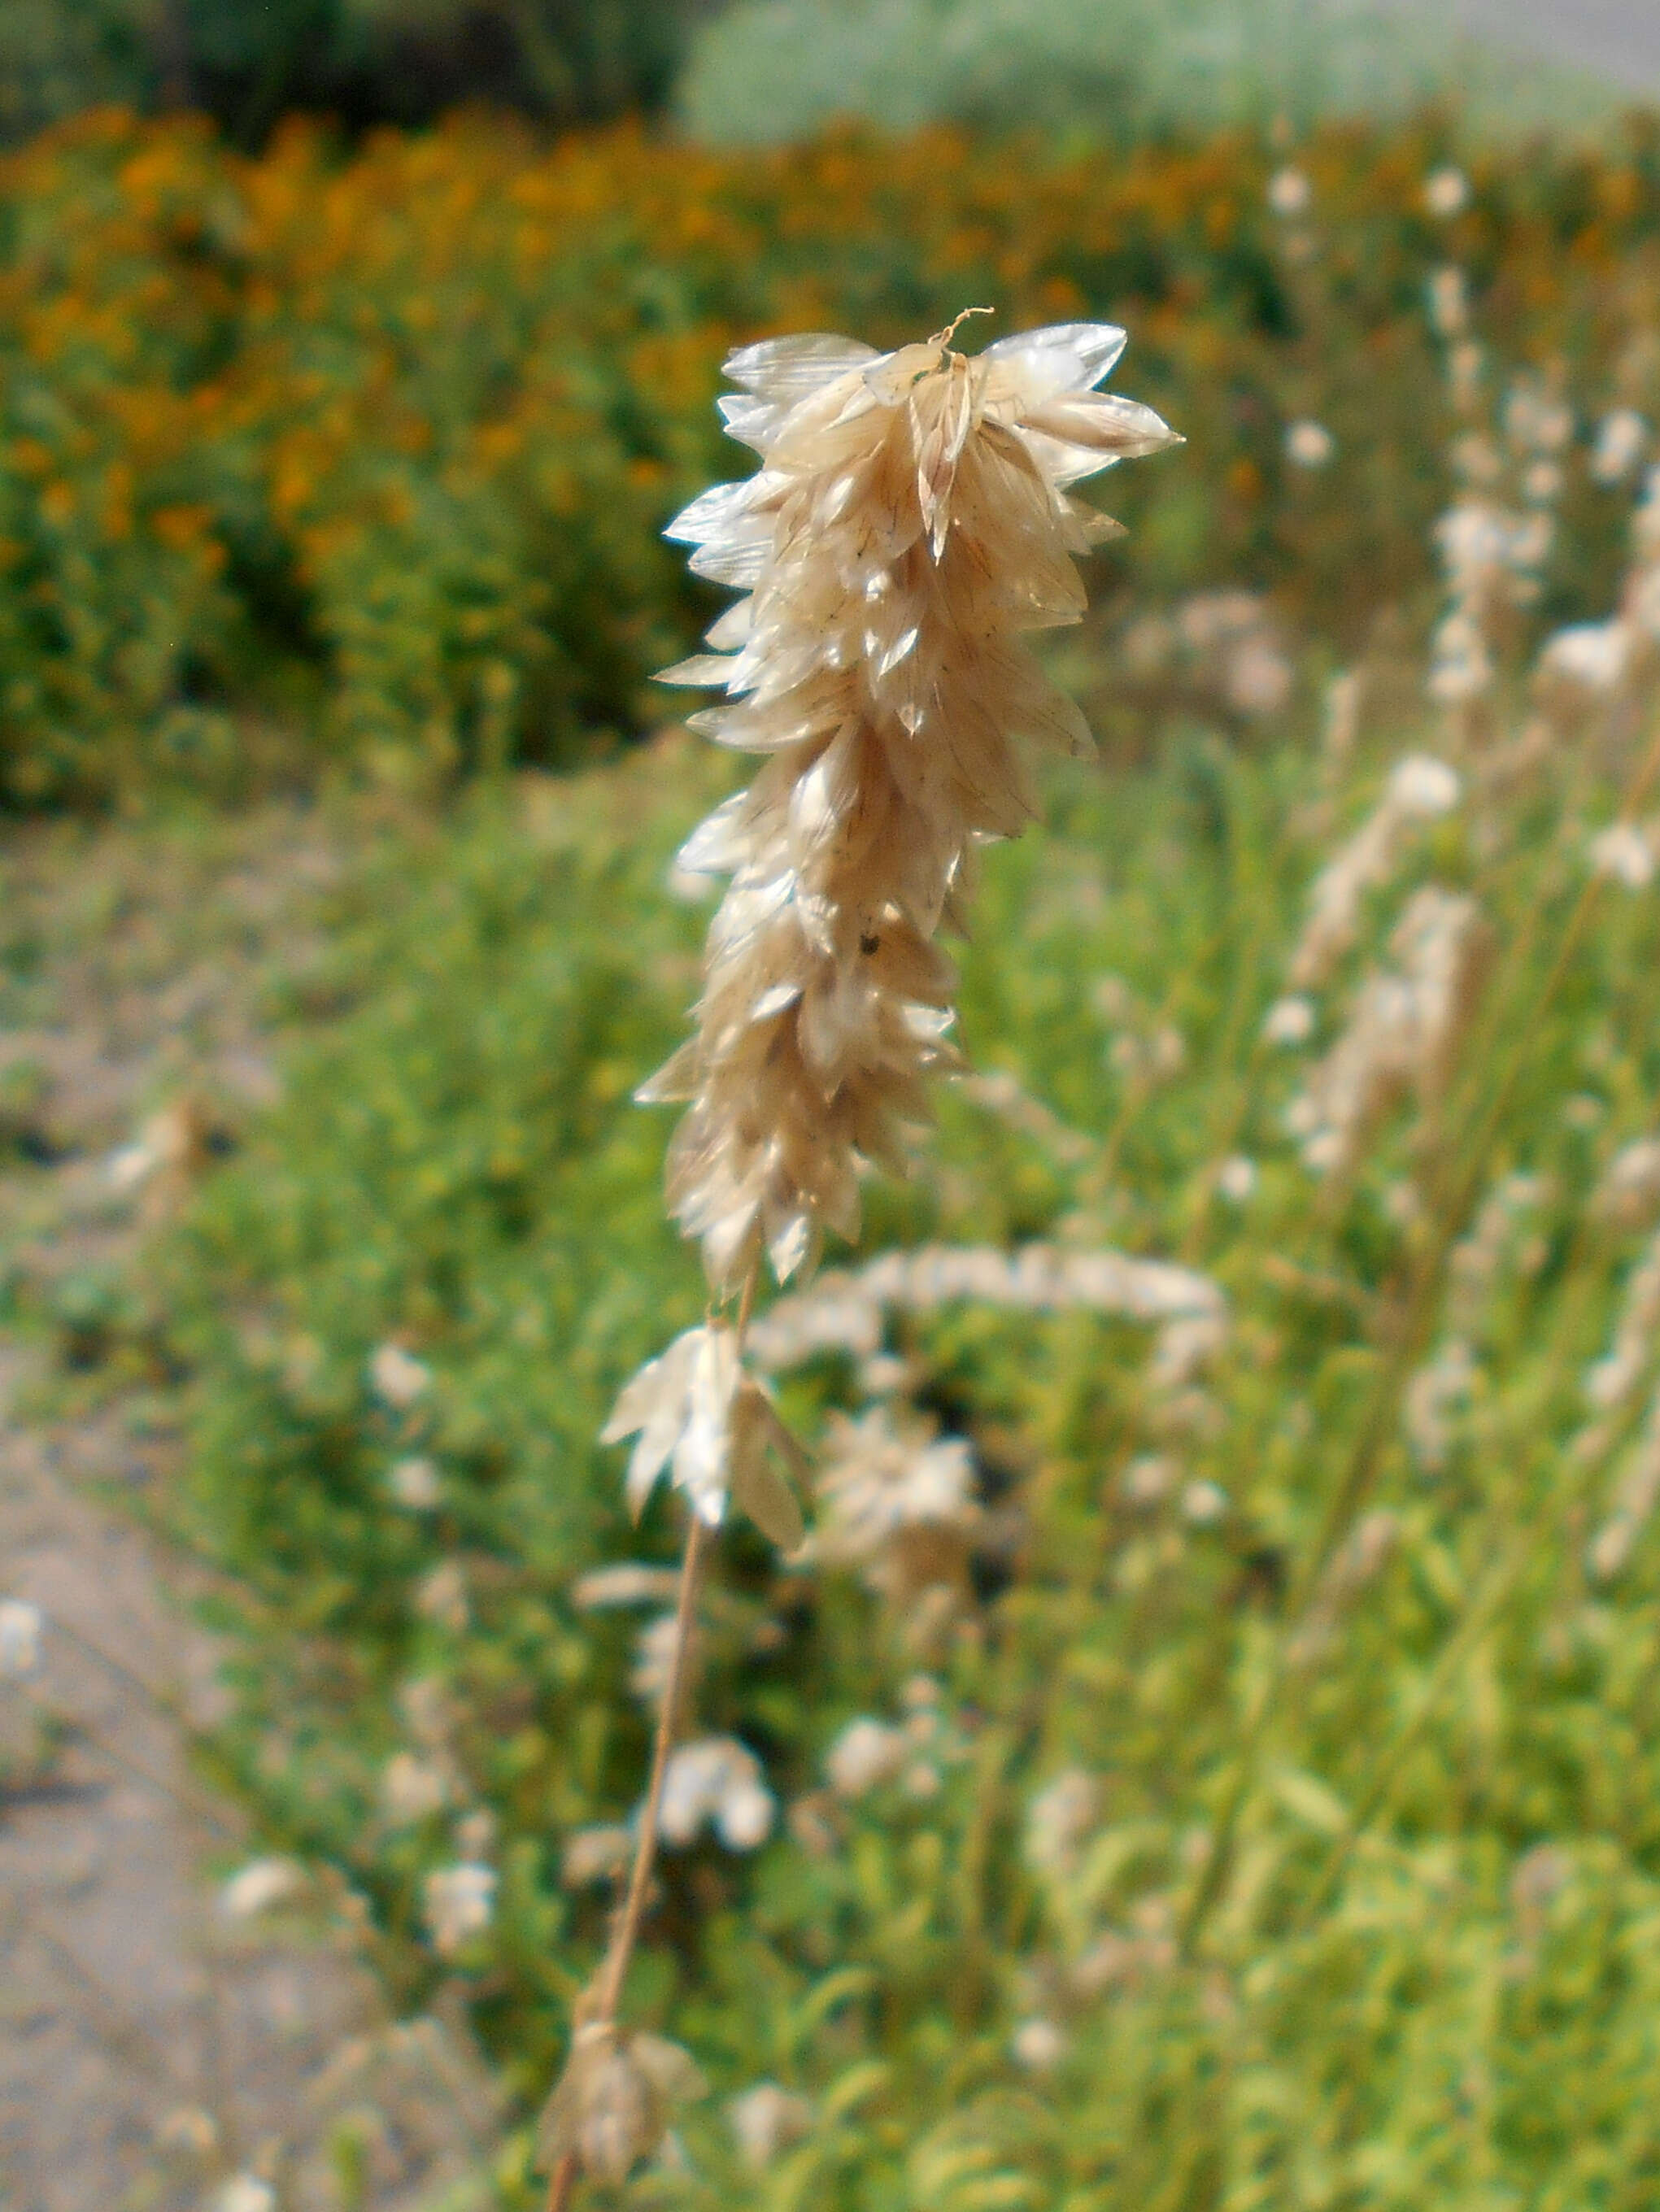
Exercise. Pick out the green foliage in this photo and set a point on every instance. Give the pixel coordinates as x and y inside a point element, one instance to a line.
<point>1424,1969</point>
<point>364,61</point>
<point>57,56</point>
<point>1113,70</point>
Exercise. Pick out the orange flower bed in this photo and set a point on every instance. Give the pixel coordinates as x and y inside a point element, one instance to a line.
<point>377,446</point>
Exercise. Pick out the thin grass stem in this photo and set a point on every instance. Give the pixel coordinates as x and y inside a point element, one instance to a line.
<point>600,2008</point>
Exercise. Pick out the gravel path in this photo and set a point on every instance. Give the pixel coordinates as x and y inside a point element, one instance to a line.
<point>157,2051</point>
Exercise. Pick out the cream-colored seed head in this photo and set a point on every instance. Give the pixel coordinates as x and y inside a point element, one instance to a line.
<point>909,522</point>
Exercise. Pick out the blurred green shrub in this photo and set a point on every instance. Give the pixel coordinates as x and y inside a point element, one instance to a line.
<point>363,61</point>
<point>57,56</point>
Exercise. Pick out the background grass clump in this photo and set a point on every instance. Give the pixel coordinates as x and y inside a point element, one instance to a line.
<point>1432,1968</point>
<point>321,461</point>
<point>362,62</point>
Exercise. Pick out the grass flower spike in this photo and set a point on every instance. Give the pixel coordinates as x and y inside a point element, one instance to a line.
<point>909,522</point>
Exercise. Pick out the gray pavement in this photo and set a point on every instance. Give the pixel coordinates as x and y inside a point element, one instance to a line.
<point>1619,39</point>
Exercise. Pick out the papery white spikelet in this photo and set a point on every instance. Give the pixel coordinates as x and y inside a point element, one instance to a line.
<point>612,2104</point>
<point>1290,1020</point>
<point>256,1887</point>
<point>413,1789</point>
<point>1537,420</point>
<point>696,1413</point>
<point>1491,551</point>
<point>909,522</point>
<point>1449,302</point>
<point>245,2192</point>
<point>1058,1822</point>
<point>600,1853</point>
<point>1591,656</point>
<point>1357,1561</point>
<point>1611,1381</point>
<point>397,1377</point>
<point>1309,445</point>
<point>1440,1388</point>
<point>845,1312</point>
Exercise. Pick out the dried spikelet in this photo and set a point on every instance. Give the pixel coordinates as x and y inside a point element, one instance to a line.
<point>1403,1034</point>
<point>694,1410</point>
<point>611,2106</point>
<point>909,522</point>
